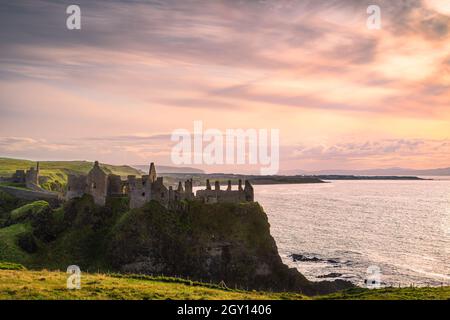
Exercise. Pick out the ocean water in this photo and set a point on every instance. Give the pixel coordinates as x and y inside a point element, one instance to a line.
<point>401,227</point>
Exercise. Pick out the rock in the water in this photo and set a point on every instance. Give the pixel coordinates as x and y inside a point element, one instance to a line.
<point>330,275</point>
<point>304,258</point>
<point>300,257</point>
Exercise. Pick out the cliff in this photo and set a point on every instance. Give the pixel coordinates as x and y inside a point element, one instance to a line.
<point>217,242</point>
<point>205,242</point>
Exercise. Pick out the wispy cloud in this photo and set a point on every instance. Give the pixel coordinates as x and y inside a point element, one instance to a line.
<point>385,153</point>
<point>153,66</point>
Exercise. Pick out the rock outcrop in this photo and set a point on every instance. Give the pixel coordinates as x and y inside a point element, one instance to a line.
<point>209,242</point>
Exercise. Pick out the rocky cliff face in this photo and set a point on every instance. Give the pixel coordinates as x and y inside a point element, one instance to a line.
<point>217,242</point>
<point>206,242</point>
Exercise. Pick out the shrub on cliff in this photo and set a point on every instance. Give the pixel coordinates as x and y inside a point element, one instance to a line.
<point>44,224</point>
<point>27,242</point>
<point>7,204</point>
<point>28,211</point>
<point>83,212</point>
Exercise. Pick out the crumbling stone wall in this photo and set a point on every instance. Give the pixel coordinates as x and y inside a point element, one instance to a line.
<point>76,186</point>
<point>139,191</point>
<point>97,184</point>
<point>150,187</point>
<point>51,197</point>
<point>231,196</point>
<point>159,192</point>
<point>152,173</point>
<point>114,185</point>
<point>32,177</point>
<point>18,176</point>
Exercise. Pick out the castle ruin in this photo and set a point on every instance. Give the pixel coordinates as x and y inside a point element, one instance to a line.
<point>149,187</point>
<point>29,177</point>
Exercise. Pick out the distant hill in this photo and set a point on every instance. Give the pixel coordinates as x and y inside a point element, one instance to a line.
<point>377,172</point>
<point>8,166</point>
<point>199,179</point>
<point>168,169</point>
<point>54,173</point>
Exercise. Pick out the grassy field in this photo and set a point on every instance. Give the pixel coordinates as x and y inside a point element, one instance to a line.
<point>25,284</point>
<point>56,171</point>
<point>409,293</point>
<point>8,166</point>
<point>16,284</point>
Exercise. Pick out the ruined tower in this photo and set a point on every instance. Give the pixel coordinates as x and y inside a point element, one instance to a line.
<point>248,190</point>
<point>188,190</point>
<point>97,184</point>
<point>240,185</point>
<point>32,177</point>
<point>76,186</point>
<point>152,173</point>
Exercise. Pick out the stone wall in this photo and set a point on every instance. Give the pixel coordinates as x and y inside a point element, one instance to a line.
<point>114,185</point>
<point>32,177</point>
<point>139,191</point>
<point>51,197</point>
<point>159,192</point>
<point>97,184</point>
<point>76,186</point>
<point>18,176</point>
<point>227,196</point>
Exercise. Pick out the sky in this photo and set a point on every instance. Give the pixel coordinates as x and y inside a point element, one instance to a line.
<point>342,96</point>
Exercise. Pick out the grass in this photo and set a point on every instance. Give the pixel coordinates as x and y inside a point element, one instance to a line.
<point>51,285</point>
<point>408,293</point>
<point>11,266</point>
<point>28,209</point>
<point>9,249</point>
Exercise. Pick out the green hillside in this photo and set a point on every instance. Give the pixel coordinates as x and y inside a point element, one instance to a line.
<point>54,173</point>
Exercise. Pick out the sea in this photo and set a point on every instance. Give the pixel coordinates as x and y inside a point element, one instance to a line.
<point>348,229</point>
